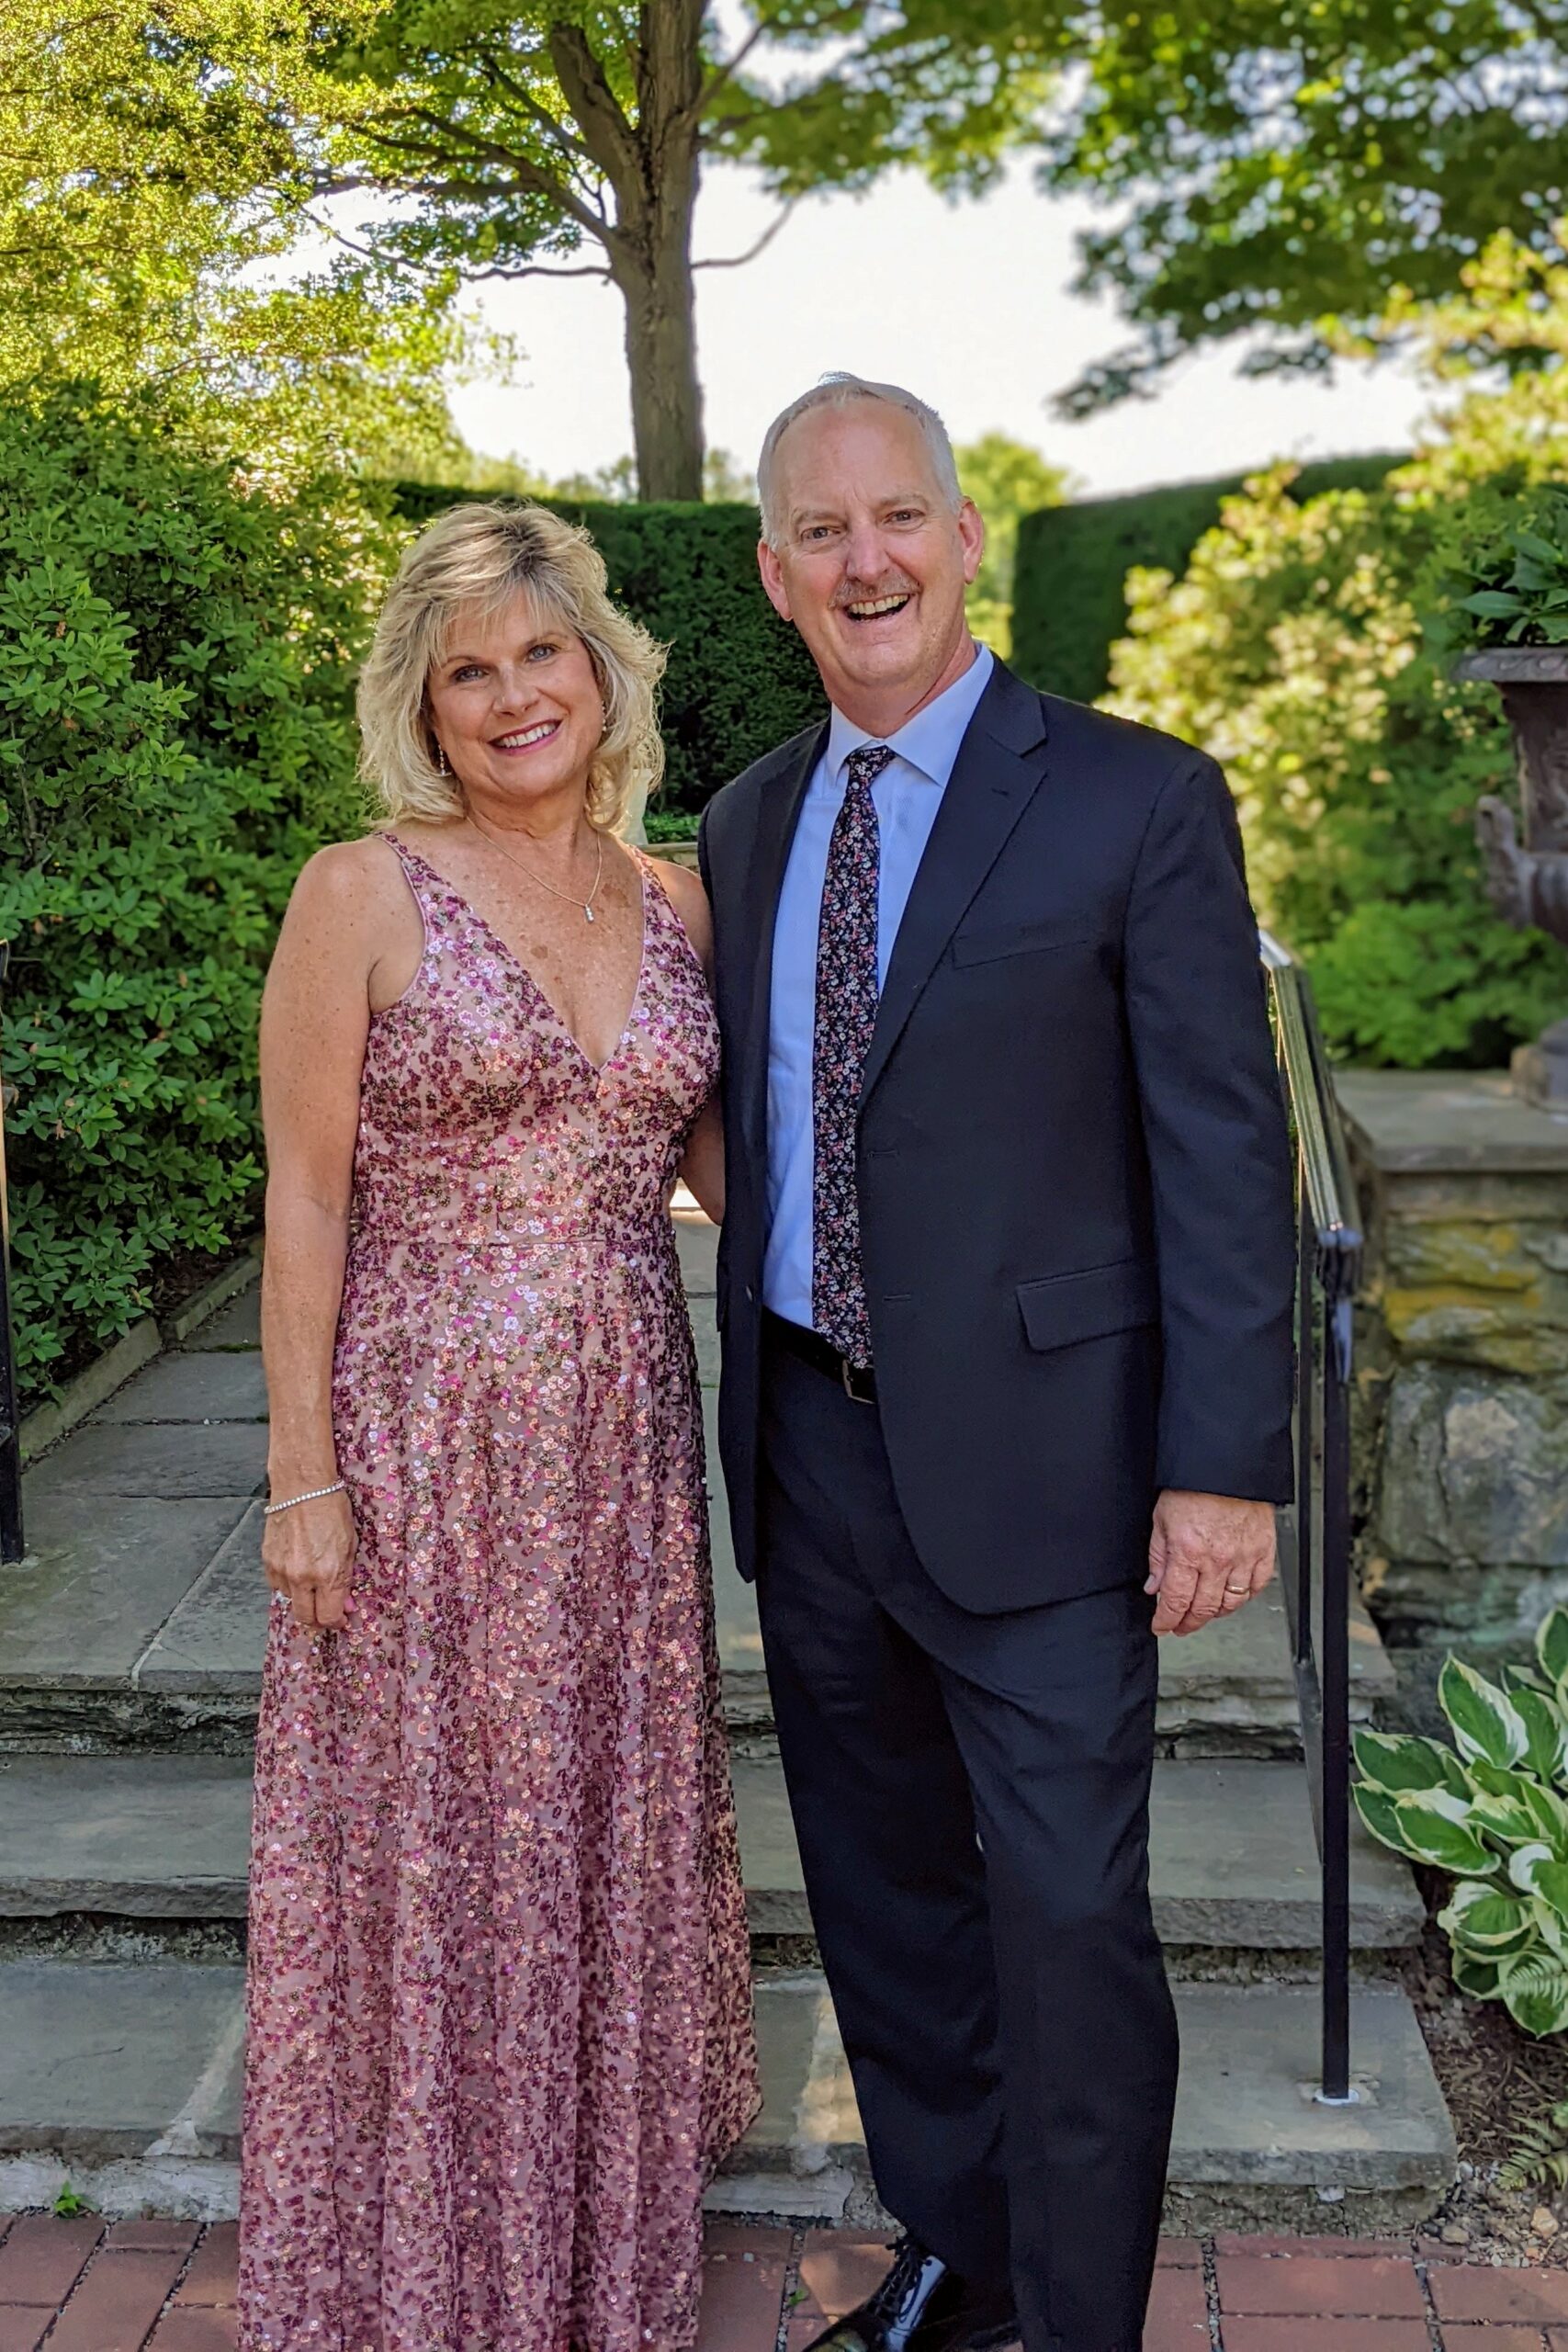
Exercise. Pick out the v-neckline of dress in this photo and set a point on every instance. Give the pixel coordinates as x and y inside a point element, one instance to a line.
<point>551,1010</point>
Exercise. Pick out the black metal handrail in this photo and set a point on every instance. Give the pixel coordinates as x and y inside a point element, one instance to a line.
<point>1315,1538</point>
<point>11,1544</point>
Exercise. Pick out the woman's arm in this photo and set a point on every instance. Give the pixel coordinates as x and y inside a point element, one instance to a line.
<point>315,1015</point>
<point>702,1164</point>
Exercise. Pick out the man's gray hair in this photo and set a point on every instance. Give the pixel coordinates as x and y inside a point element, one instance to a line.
<point>838,391</point>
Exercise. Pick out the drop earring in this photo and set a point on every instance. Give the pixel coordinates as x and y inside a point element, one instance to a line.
<point>441,759</point>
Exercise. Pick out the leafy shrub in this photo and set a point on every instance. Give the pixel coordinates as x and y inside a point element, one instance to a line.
<point>1495,1813</point>
<point>1294,650</point>
<point>177,736</point>
<point>1506,558</point>
<point>740,679</point>
<point>1310,646</point>
<point>1070,602</point>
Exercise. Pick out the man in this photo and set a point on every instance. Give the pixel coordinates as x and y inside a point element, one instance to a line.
<point>1004,1285</point>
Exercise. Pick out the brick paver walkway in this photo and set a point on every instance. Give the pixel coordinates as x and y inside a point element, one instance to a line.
<point>84,2285</point>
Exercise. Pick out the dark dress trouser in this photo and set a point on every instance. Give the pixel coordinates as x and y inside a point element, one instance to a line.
<point>971,1797</point>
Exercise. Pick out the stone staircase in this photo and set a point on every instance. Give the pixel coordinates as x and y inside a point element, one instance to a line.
<point>130,1648</point>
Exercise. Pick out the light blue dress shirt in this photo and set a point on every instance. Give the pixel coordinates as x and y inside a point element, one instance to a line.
<point>907,795</point>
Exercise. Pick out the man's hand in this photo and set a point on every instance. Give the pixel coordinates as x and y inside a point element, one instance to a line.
<point>1208,1555</point>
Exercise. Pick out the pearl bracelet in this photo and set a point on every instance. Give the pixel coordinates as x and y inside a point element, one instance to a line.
<point>313,1497</point>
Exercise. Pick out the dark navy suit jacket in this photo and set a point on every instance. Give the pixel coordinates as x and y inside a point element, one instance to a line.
<point>1073,1168</point>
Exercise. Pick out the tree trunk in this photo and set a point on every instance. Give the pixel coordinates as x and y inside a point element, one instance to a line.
<point>656,283</point>
<point>652,160</point>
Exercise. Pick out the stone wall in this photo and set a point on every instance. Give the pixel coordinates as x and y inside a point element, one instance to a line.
<point>1461,1392</point>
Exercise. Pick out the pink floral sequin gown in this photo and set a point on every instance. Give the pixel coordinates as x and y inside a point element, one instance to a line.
<point>500,1998</point>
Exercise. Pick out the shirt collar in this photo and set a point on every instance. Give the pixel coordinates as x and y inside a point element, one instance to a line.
<point>931,739</point>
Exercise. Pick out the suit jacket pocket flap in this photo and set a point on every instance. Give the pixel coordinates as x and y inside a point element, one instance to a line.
<point>985,942</point>
<point>1064,1309</point>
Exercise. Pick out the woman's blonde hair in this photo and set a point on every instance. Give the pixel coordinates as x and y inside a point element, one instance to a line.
<point>482,557</point>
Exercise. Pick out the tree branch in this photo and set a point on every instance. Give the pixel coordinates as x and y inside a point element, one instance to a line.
<point>537,113</point>
<point>533,269</point>
<point>367,253</point>
<point>737,261</point>
<point>610,139</point>
<point>536,179</point>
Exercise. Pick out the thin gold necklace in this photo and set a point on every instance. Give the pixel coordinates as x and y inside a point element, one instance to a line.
<point>586,904</point>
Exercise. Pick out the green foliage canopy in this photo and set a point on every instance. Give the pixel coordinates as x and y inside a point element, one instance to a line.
<point>157,159</point>
<point>1287,168</point>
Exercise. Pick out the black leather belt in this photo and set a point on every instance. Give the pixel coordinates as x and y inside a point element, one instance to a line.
<point>857,1381</point>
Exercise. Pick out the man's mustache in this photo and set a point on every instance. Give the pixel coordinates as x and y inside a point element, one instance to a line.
<point>863,592</point>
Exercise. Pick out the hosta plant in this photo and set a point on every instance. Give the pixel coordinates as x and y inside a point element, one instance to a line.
<point>1492,1810</point>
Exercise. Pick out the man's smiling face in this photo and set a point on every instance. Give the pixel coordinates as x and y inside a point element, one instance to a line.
<point>873,559</point>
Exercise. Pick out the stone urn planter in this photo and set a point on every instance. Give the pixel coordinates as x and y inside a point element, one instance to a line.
<point>1527,881</point>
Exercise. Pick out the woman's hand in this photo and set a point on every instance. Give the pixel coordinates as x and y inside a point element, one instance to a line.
<point>308,1554</point>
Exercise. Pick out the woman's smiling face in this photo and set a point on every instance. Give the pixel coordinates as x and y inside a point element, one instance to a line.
<point>516,704</point>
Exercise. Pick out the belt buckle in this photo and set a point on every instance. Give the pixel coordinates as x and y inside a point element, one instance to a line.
<point>852,1373</point>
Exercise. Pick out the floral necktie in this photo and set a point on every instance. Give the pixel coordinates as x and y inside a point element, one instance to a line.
<point>846,1014</point>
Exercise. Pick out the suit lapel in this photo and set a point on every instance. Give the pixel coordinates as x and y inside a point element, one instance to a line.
<point>999,769</point>
<point>779,813</point>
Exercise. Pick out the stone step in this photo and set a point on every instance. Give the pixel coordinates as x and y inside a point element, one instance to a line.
<point>1233,1861</point>
<point>135,1837</point>
<point>1249,2134</point>
<point>1232,1688</point>
<point>138,1619</point>
<point>124,2077</point>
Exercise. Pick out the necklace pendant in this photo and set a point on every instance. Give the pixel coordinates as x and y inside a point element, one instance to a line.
<point>588,914</point>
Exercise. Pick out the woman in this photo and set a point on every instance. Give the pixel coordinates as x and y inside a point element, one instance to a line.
<point>500,2010</point>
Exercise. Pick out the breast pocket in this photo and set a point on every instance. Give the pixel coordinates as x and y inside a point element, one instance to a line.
<point>987,943</point>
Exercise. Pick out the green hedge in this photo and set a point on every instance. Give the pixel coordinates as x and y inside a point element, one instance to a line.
<point>740,679</point>
<point>1069,597</point>
<point>176,659</point>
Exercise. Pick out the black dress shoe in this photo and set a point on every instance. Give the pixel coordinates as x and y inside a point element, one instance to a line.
<point>923,2306</point>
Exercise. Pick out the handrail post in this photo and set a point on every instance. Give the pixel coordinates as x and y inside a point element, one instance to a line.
<point>11,1544</point>
<point>1328,1243</point>
<point>1335,1745</point>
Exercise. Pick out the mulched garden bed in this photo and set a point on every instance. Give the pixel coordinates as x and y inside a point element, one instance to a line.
<point>1496,2079</point>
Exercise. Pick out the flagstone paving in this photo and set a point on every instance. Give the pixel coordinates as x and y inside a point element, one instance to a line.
<point>155,2285</point>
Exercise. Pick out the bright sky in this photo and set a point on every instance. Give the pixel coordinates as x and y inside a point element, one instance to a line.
<point>966,303</point>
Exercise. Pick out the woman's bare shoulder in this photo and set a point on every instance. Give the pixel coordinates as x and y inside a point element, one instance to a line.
<point>684,888</point>
<point>349,892</point>
<point>345,869</point>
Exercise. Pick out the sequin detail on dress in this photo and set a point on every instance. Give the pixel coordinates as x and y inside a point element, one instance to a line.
<point>500,1998</point>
